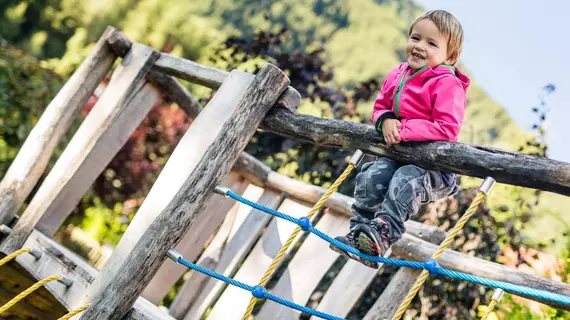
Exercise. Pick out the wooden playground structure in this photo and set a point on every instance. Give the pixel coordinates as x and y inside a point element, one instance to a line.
<point>182,211</point>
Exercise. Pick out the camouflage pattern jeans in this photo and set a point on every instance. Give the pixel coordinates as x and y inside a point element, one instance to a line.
<point>392,191</point>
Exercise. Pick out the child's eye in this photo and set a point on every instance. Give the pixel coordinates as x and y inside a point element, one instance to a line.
<point>431,43</point>
<point>415,38</point>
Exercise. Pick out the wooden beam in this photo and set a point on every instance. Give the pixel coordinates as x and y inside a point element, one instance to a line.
<point>179,167</point>
<point>193,242</point>
<point>33,156</point>
<point>176,91</point>
<point>113,297</point>
<point>470,160</point>
<point>58,260</point>
<point>121,108</point>
<point>197,73</point>
<point>412,248</point>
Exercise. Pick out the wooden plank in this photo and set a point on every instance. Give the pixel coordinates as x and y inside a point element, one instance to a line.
<point>193,242</point>
<point>41,304</point>
<point>200,291</point>
<point>58,260</point>
<point>305,270</point>
<point>33,156</point>
<point>350,284</point>
<point>114,296</point>
<point>233,301</point>
<point>180,165</point>
<point>107,127</point>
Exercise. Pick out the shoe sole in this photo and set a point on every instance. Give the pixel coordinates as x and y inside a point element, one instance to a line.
<point>368,263</point>
<point>367,246</point>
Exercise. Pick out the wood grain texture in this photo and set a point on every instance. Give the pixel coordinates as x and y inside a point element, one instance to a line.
<point>192,244</point>
<point>470,160</point>
<point>184,159</point>
<point>101,135</point>
<point>200,291</point>
<point>119,292</point>
<point>33,156</point>
<point>58,260</point>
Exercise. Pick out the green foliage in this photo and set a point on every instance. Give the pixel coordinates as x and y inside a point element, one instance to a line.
<point>26,88</point>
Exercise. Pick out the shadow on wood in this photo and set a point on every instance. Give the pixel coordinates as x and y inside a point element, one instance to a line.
<point>40,304</point>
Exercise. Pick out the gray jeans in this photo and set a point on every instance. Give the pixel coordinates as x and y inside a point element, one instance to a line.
<point>389,190</point>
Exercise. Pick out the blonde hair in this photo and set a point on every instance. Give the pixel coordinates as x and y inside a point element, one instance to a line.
<point>450,27</point>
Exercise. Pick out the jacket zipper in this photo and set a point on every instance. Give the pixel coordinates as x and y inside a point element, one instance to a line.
<point>401,86</point>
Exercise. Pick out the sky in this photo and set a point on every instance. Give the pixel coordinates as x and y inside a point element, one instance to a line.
<point>514,48</point>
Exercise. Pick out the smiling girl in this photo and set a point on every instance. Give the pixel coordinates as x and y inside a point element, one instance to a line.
<point>422,99</point>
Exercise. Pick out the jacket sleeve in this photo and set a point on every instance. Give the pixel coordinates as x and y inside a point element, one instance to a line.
<point>449,101</point>
<point>383,103</point>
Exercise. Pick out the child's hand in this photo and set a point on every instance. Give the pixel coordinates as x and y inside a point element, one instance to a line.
<point>391,131</point>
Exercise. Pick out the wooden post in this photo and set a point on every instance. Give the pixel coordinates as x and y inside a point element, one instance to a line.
<point>107,127</point>
<point>192,244</point>
<point>114,296</point>
<point>33,156</point>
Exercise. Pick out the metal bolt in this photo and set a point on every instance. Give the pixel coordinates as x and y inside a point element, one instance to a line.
<point>36,253</point>
<point>66,281</point>
<point>5,230</point>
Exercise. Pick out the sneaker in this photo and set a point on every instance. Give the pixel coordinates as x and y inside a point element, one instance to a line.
<point>372,238</point>
<point>349,241</point>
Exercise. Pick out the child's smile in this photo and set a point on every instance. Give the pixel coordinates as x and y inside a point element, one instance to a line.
<point>427,46</point>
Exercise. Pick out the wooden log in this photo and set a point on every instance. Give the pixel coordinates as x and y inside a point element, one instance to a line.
<point>212,78</point>
<point>107,127</point>
<point>176,91</point>
<point>114,296</point>
<point>412,248</point>
<point>233,301</point>
<point>470,160</point>
<point>180,165</point>
<point>193,242</point>
<point>305,270</point>
<point>33,156</point>
<point>58,260</point>
<point>389,301</point>
<point>199,291</point>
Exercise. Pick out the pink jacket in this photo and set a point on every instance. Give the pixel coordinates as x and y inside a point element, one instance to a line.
<point>430,103</point>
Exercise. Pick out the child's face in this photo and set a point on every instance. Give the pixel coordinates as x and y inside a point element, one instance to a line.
<point>426,46</point>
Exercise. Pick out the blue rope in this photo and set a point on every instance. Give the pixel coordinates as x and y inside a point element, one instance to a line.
<point>429,264</point>
<point>257,291</point>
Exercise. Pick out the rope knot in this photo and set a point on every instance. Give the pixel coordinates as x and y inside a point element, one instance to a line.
<point>432,266</point>
<point>259,292</point>
<point>305,223</point>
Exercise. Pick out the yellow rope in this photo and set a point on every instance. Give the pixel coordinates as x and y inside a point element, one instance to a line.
<point>442,247</point>
<point>285,246</point>
<point>494,300</point>
<point>74,312</point>
<point>13,255</point>
<point>489,309</point>
<point>28,291</point>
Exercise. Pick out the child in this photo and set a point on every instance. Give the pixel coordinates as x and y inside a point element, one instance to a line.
<point>422,99</point>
